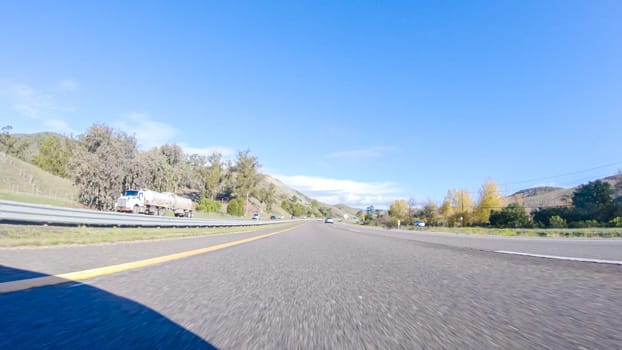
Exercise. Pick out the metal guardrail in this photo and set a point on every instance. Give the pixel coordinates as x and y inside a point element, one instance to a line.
<point>24,213</point>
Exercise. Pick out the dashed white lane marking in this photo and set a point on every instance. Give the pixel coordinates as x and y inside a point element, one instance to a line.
<point>598,261</point>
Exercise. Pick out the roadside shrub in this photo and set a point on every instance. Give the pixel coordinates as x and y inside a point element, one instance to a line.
<point>512,216</point>
<point>584,224</point>
<point>556,221</point>
<point>542,216</point>
<point>236,207</point>
<point>389,222</point>
<point>208,205</point>
<point>616,222</point>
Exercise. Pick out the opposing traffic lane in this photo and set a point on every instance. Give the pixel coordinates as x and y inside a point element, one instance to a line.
<point>322,286</point>
<point>596,248</point>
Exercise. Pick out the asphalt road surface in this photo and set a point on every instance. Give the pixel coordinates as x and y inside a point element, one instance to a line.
<point>317,286</point>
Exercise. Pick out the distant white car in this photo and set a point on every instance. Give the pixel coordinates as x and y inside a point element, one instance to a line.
<point>255,216</point>
<point>419,223</point>
<point>329,221</point>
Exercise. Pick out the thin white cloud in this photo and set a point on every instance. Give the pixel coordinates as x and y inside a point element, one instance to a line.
<point>371,152</point>
<point>31,103</point>
<point>67,85</point>
<point>38,106</point>
<point>149,133</point>
<point>337,191</point>
<point>60,126</point>
<point>226,152</point>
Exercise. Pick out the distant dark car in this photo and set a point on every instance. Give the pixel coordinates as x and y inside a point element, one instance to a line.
<point>329,221</point>
<point>272,217</point>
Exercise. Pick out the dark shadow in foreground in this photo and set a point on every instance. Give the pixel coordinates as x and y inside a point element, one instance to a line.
<point>8,274</point>
<point>74,315</point>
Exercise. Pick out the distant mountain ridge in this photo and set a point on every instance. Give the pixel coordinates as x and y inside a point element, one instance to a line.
<point>546,196</point>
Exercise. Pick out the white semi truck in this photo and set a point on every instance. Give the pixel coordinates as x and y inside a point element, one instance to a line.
<point>153,203</point>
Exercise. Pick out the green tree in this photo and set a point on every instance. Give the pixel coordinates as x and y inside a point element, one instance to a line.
<point>556,221</point>
<point>174,154</point>
<point>268,196</point>
<point>430,213</point>
<point>328,212</point>
<point>594,201</point>
<point>208,205</point>
<point>214,175</point>
<point>298,209</point>
<point>315,207</point>
<point>155,172</point>
<point>512,216</point>
<point>489,199</point>
<point>53,156</point>
<point>542,216</point>
<point>246,175</point>
<point>11,145</point>
<point>399,209</point>
<point>616,222</point>
<point>7,141</point>
<point>285,205</point>
<point>236,207</point>
<point>101,165</point>
<point>194,173</point>
<point>294,208</point>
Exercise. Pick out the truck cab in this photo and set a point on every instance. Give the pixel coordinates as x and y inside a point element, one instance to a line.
<point>132,201</point>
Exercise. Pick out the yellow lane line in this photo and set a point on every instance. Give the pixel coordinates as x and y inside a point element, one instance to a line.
<point>14,286</point>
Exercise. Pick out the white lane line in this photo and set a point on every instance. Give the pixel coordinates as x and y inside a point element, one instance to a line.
<point>599,261</point>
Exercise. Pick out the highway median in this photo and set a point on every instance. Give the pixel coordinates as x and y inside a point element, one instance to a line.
<point>25,235</point>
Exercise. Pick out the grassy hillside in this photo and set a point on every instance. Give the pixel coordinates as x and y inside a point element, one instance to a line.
<point>21,181</point>
<point>32,142</point>
<point>24,182</point>
<point>285,192</point>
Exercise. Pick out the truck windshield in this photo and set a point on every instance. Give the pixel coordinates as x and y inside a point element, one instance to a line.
<point>131,193</point>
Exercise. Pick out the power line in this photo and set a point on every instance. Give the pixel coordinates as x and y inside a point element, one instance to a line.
<point>566,174</point>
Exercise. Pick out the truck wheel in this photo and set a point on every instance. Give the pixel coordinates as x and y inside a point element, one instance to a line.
<point>136,210</point>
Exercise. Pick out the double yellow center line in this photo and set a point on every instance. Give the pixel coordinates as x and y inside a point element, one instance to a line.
<point>14,286</point>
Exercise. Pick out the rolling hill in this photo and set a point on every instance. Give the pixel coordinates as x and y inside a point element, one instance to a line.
<point>542,197</point>
<point>22,181</point>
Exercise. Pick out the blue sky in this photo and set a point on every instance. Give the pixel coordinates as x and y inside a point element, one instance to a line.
<point>361,102</point>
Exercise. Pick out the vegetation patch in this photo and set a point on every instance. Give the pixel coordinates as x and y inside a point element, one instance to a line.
<point>18,235</point>
<point>38,199</point>
<point>601,232</point>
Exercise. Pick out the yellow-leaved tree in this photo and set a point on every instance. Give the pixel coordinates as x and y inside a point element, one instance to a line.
<point>489,199</point>
<point>446,210</point>
<point>462,205</point>
<point>399,209</point>
<point>462,201</point>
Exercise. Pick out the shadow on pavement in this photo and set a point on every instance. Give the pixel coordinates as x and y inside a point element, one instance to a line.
<point>74,315</point>
<point>8,274</point>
